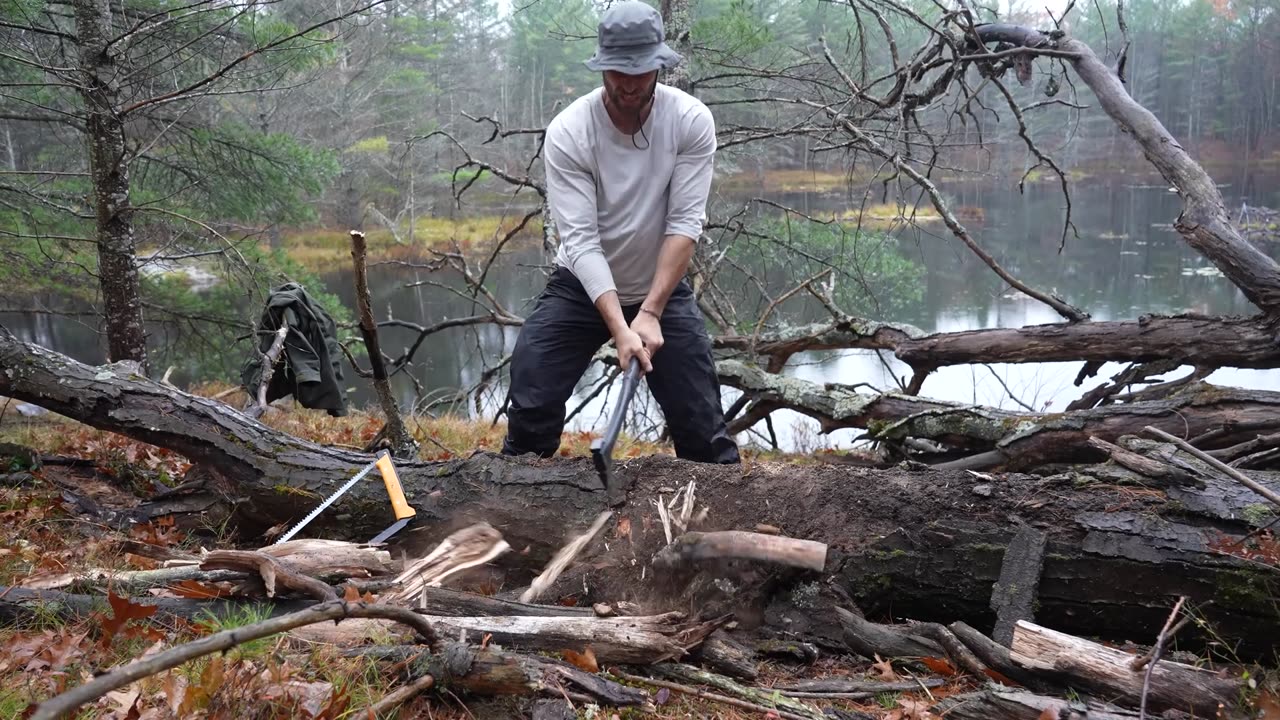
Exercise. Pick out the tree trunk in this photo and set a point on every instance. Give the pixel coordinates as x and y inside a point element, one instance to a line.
<point>1191,340</point>
<point>922,544</point>
<point>1017,440</point>
<point>677,21</point>
<point>109,168</point>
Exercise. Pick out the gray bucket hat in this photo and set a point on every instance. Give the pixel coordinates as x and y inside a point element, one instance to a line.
<point>630,39</point>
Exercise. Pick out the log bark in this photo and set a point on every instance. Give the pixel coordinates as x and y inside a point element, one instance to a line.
<point>489,671</point>
<point>1011,440</point>
<point>629,640</point>
<point>1189,339</point>
<point>922,544</point>
<point>1000,703</point>
<point>1105,670</point>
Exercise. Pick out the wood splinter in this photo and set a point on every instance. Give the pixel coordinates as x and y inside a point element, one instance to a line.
<point>741,545</point>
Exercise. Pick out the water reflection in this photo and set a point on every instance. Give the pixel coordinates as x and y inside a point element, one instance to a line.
<point>1127,261</point>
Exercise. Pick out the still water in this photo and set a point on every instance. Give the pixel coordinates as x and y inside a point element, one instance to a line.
<point>1126,262</point>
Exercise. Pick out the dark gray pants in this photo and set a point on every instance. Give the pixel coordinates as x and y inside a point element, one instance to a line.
<point>555,347</point>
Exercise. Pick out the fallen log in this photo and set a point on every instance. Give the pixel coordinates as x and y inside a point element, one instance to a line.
<point>1007,439</point>
<point>489,671</point>
<point>921,544</point>
<point>1105,670</point>
<point>637,640</point>
<point>1189,339</point>
<point>19,605</point>
<point>1000,703</point>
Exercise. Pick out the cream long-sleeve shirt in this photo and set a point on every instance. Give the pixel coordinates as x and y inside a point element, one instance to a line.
<point>613,203</point>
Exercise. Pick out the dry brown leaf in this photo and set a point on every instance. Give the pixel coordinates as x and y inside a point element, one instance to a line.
<point>624,528</point>
<point>586,660</point>
<point>913,709</point>
<point>883,670</point>
<point>126,702</point>
<point>351,594</point>
<point>122,611</point>
<point>198,590</point>
<point>942,666</point>
<point>1048,714</point>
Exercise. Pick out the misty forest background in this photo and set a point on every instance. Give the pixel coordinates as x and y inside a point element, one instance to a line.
<point>257,134</point>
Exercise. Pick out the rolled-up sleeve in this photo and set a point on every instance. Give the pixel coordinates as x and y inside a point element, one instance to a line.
<point>691,179</point>
<point>571,192</point>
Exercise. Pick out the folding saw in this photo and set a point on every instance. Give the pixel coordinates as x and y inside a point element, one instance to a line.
<point>403,511</point>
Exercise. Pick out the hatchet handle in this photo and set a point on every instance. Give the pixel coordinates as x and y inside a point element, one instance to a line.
<point>392,481</point>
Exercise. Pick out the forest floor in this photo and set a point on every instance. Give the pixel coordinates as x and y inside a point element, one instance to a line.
<point>45,532</point>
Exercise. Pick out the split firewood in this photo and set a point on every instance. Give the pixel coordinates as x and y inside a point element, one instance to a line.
<point>466,548</point>
<point>333,559</point>
<point>563,558</point>
<point>1105,670</point>
<point>741,545</point>
<point>129,582</point>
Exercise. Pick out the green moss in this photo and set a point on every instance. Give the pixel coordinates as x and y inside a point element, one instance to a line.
<point>1247,590</point>
<point>887,555</point>
<point>282,489</point>
<point>1258,514</point>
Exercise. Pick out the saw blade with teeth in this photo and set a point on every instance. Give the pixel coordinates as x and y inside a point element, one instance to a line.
<point>329,500</point>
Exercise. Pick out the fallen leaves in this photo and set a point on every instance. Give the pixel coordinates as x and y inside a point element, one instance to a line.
<point>122,611</point>
<point>941,666</point>
<point>198,590</point>
<point>162,531</point>
<point>585,660</point>
<point>911,709</point>
<point>883,670</point>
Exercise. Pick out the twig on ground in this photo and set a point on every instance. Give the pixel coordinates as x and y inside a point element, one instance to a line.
<point>399,696</point>
<point>1154,656</point>
<point>707,695</point>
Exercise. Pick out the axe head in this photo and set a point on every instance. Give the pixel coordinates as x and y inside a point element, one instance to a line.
<point>603,460</point>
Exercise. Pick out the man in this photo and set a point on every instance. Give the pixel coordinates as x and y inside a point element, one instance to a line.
<point>628,169</point>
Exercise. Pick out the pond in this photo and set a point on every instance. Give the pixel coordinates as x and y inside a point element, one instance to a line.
<point>1126,261</point>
